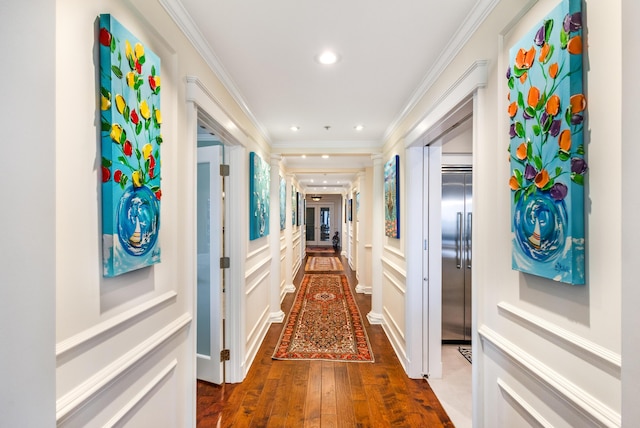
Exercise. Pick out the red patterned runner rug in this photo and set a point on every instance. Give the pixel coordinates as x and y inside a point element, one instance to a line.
<point>324,323</point>
<point>323,264</point>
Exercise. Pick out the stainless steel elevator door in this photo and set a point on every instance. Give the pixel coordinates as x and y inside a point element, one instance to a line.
<point>457,221</point>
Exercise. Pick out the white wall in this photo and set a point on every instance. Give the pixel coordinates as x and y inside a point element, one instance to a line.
<point>546,351</point>
<point>28,194</point>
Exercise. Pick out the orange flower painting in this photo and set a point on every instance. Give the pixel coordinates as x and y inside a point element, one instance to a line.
<point>546,147</point>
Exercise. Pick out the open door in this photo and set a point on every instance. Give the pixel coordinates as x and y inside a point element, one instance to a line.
<point>210,291</point>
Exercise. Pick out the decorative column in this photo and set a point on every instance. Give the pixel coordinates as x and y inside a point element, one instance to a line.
<point>377,230</point>
<point>276,313</point>
<point>362,232</point>
<point>288,239</point>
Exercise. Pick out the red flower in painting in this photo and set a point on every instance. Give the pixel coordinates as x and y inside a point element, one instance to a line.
<point>105,37</point>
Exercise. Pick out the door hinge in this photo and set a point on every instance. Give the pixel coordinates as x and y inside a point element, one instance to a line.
<point>224,170</point>
<point>225,355</point>
<point>225,262</point>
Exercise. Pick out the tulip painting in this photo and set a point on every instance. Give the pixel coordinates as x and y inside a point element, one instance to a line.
<point>392,198</point>
<point>259,196</point>
<point>130,135</point>
<point>546,108</point>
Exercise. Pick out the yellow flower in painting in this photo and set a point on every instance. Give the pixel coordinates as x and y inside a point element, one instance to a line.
<point>139,50</point>
<point>136,177</point>
<point>105,103</point>
<point>127,49</point>
<point>158,116</point>
<point>116,133</point>
<point>121,104</point>
<point>146,150</point>
<point>131,79</point>
<point>144,109</point>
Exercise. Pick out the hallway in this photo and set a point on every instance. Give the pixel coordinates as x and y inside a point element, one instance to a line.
<point>321,393</point>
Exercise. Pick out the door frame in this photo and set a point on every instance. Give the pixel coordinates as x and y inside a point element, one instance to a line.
<point>200,106</point>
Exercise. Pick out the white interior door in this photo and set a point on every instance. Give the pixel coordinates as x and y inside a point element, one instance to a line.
<point>210,298</point>
<point>319,223</point>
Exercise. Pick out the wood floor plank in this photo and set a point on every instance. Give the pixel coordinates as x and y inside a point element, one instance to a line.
<point>323,394</point>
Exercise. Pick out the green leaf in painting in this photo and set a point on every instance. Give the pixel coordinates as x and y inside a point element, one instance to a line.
<point>147,123</point>
<point>138,154</point>
<point>577,178</point>
<point>122,160</point>
<point>530,111</point>
<point>105,126</point>
<point>517,195</point>
<point>153,70</point>
<point>123,137</point>
<point>127,112</point>
<point>159,139</point>
<point>558,171</point>
<point>520,100</point>
<point>580,149</point>
<point>548,26</point>
<point>518,175</point>
<point>564,39</point>
<point>105,93</point>
<point>520,129</point>
<point>138,128</point>
<point>538,162</point>
<point>116,70</point>
<point>511,82</point>
<point>106,162</point>
<point>123,181</point>
<point>563,156</point>
<point>518,71</point>
<point>142,59</point>
<point>529,150</point>
<point>113,45</point>
<point>567,116</point>
<point>536,130</point>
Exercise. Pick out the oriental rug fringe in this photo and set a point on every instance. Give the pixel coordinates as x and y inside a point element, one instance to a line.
<point>324,323</point>
<point>323,264</point>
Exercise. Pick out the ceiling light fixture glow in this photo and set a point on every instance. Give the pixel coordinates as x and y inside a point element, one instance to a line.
<point>325,156</point>
<point>358,127</point>
<point>295,128</point>
<point>327,58</point>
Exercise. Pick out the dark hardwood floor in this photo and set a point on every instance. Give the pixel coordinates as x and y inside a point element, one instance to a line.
<point>320,393</point>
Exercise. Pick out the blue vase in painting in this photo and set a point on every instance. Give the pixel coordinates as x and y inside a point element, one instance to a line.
<point>540,224</point>
<point>138,220</point>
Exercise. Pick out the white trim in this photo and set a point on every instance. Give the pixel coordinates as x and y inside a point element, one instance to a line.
<point>395,283</point>
<point>394,266</point>
<point>142,394</point>
<point>118,321</point>
<point>257,283</point>
<point>514,397</point>
<point>395,343</point>
<point>101,380</point>
<point>276,317</point>
<point>394,251</point>
<point>572,394</point>
<point>257,251</point>
<point>257,267</point>
<point>477,16</point>
<point>555,334</point>
<point>471,79</point>
<point>184,21</point>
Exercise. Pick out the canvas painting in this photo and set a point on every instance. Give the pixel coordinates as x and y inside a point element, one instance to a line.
<point>283,203</point>
<point>259,176</point>
<point>547,155</point>
<point>130,119</point>
<point>392,198</point>
<point>293,206</point>
<point>350,209</point>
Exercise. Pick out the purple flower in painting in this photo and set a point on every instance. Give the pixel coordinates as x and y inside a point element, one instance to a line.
<point>526,115</point>
<point>543,118</point>
<point>576,119</point>
<point>540,36</point>
<point>508,73</point>
<point>530,172</point>
<point>555,128</point>
<point>512,130</point>
<point>572,22</point>
<point>558,191</point>
<point>578,165</point>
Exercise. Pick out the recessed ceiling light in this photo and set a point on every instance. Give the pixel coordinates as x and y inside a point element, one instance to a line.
<point>303,156</point>
<point>324,182</point>
<point>358,127</point>
<point>327,58</point>
<point>295,128</point>
<point>325,156</point>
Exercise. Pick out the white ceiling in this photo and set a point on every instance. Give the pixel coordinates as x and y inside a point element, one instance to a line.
<point>390,52</point>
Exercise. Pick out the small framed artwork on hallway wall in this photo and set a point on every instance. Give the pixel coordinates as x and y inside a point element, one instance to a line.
<point>259,176</point>
<point>392,198</point>
<point>130,119</point>
<point>546,112</point>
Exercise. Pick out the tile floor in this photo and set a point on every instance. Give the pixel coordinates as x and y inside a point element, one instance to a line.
<point>454,389</point>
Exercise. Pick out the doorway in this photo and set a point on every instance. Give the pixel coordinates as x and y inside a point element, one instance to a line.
<point>210,296</point>
<point>320,220</point>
